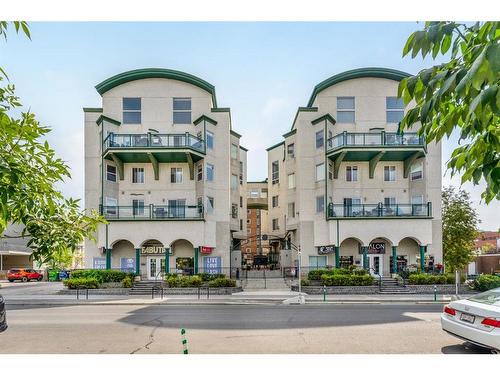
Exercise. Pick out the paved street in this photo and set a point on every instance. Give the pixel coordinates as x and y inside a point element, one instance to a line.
<point>349,328</point>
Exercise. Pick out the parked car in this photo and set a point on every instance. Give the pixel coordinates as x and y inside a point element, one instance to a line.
<point>3,315</point>
<point>23,274</point>
<point>475,319</point>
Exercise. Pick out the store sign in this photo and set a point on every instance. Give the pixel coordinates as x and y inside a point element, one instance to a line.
<point>152,250</point>
<point>99,263</point>
<point>206,250</point>
<point>212,265</point>
<point>127,264</point>
<point>326,249</point>
<point>375,248</point>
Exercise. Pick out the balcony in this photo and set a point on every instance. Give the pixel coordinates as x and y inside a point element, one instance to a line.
<point>380,210</point>
<point>152,212</point>
<point>375,147</point>
<point>153,148</point>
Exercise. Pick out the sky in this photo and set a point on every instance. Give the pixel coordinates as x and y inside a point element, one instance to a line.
<point>262,71</point>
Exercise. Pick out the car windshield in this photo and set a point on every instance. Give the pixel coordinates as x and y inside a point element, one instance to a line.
<point>491,297</point>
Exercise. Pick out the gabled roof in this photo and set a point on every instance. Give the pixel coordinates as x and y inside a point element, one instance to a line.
<point>395,75</point>
<point>133,75</point>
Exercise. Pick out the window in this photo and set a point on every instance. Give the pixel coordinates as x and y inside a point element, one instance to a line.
<point>176,175</point>
<point>241,224</point>
<point>138,207</point>
<point>276,224</point>
<point>320,204</point>
<point>234,151</point>
<point>137,175</point>
<point>234,182</point>
<point>241,173</point>
<point>182,110</point>
<point>200,172</point>
<point>417,202</point>
<point>254,194</point>
<point>275,177</point>
<point>394,109</point>
<point>110,173</point>
<point>320,172</point>
<point>210,204</point>
<point>291,209</point>
<point>320,139</point>
<point>291,181</point>
<point>210,140</point>
<point>290,150</point>
<point>131,110</point>
<point>234,211</point>
<point>111,204</point>
<point>241,201</point>
<point>416,171</point>
<point>316,261</point>
<point>390,173</point>
<point>345,109</point>
<point>351,173</point>
<point>210,172</point>
<point>275,200</point>
<point>390,202</point>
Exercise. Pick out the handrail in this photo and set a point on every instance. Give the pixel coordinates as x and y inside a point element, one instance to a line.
<point>379,210</point>
<point>153,211</point>
<point>168,140</point>
<point>368,139</point>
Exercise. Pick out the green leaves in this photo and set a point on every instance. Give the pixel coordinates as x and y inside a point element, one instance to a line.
<point>460,94</point>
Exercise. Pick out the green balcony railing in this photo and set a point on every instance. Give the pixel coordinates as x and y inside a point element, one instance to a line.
<point>152,212</point>
<point>381,139</point>
<point>362,211</point>
<point>153,140</point>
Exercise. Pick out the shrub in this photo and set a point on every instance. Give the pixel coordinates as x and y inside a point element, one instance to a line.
<point>183,281</point>
<point>76,283</point>
<point>347,280</point>
<point>221,283</point>
<point>341,271</point>
<point>128,282</point>
<point>102,276</point>
<point>316,274</point>
<point>359,271</point>
<point>428,279</point>
<point>209,276</point>
<point>305,282</point>
<point>486,282</point>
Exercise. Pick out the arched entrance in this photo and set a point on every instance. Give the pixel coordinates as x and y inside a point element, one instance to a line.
<point>123,256</point>
<point>378,251</point>
<point>183,257</point>
<point>350,252</point>
<point>152,259</point>
<point>408,254</point>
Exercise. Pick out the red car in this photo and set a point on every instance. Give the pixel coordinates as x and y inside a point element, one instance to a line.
<point>24,274</point>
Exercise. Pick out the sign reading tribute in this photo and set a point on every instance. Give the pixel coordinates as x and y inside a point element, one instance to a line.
<point>326,249</point>
<point>152,250</point>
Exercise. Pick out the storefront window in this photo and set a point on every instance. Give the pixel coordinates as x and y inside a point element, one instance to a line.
<point>346,261</point>
<point>402,263</point>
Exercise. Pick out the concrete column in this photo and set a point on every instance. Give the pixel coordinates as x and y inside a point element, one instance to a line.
<point>196,251</point>
<point>394,259</point>
<point>337,256</point>
<point>422,257</point>
<point>167,260</point>
<point>108,259</point>
<point>364,249</point>
<point>137,261</point>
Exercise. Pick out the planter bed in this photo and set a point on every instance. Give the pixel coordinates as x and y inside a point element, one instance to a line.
<point>103,291</point>
<point>203,291</point>
<point>413,289</point>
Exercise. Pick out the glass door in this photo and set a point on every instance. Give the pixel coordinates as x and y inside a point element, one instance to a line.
<point>375,263</point>
<point>153,268</point>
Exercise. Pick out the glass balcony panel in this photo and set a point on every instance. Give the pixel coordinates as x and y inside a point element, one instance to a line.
<point>373,139</point>
<point>153,212</point>
<point>155,140</point>
<point>377,210</point>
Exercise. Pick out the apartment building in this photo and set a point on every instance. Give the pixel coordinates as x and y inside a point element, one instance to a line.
<point>346,188</point>
<point>165,168</point>
<point>256,250</point>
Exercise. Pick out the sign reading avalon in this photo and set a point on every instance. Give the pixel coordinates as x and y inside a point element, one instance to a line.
<point>375,248</point>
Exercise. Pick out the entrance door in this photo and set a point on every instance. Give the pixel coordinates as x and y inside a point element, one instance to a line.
<point>375,262</point>
<point>155,267</point>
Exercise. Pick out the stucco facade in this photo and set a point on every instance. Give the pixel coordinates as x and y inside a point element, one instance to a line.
<point>347,188</point>
<point>159,166</point>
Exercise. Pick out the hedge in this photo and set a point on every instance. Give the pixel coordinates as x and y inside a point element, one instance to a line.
<point>347,280</point>
<point>222,283</point>
<point>486,282</point>
<point>102,276</point>
<point>184,281</point>
<point>210,276</point>
<point>428,279</point>
<point>317,274</point>
<point>76,283</point>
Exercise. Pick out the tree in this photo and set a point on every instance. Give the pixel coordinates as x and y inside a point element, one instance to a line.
<point>29,171</point>
<point>459,229</point>
<point>461,94</point>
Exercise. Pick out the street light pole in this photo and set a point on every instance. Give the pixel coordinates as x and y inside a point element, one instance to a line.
<point>300,282</point>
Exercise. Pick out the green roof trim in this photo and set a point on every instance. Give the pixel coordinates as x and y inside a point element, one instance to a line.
<point>244,148</point>
<point>88,109</point>
<point>303,109</point>
<point>276,145</point>
<point>235,134</point>
<point>133,75</point>
<point>292,132</point>
<point>395,75</point>
<point>224,109</point>
<point>323,118</point>
<point>108,119</point>
<point>204,118</point>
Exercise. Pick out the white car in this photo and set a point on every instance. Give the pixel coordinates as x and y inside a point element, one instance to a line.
<point>476,319</point>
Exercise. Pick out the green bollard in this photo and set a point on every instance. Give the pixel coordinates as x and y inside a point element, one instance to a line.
<point>435,293</point>
<point>324,293</point>
<point>184,341</point>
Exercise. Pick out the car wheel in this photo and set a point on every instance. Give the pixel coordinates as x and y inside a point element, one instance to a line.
<point>11,280</point>
<point>40,278</point>
<point>24,279</point>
